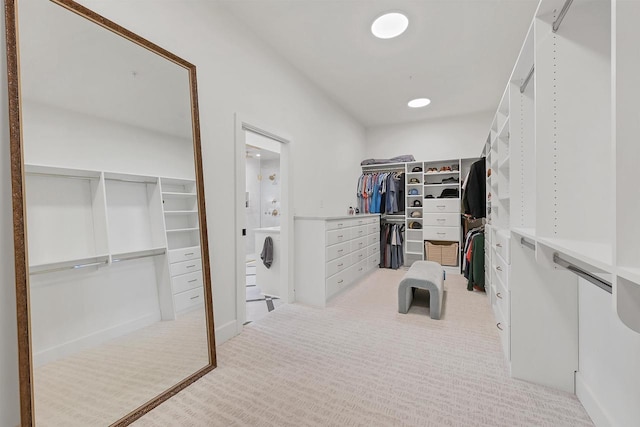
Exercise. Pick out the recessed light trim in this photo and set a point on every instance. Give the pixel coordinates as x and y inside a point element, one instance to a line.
<point>390,25</point>
<point>419,102</point>
<point>258,154</point>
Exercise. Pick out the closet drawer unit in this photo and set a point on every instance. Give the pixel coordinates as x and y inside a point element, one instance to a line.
<point>373,249</point>
<point>184,282</point>
<point>441,205</point>
<point>373,238</point>
<point>504,330</point>
<point>184,254</point>
<point>185,267</point>
<point>503,245</point>
<point>336,251</point>
<point>360,269</point>
<point>188,299</point>
<point>337,265</point>
<point>358,244</point>
<point>360,231</point>
<point>441,220</point>
<point>373,229</point>
<point>441,233</point>
<point>338,236</point>
<point>502,298</point>
<point>338,224</point>
<point>360,221</point>
<point>359,256</point>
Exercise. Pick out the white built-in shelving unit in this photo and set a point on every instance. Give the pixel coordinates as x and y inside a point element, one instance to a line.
<point>562,150</point>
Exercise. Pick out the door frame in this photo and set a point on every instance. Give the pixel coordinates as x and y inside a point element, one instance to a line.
<point>286,207</point>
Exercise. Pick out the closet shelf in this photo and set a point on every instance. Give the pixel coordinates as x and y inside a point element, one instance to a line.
<point>529,233</point>
<point>504,197</point>
<point>630,273</point>
<point>413,253</point>
<point>503,134</point>
<point>183,230</point>
<point>53,171</point>
<point>443,185</point>
<point>414,185</point>
<point>69,264</point>
<point>599,255</point>
<point>443,173</point>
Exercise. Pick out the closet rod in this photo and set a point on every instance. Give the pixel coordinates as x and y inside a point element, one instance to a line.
<point>601,283</point>
<point>563,12</point>
<point>523,87</point>
<point>381,169</point>
<point>70,267</point>
<point>137,257</point>
<point>528,244</point>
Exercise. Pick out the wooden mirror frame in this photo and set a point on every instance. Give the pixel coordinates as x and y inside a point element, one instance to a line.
<point>25,359</point>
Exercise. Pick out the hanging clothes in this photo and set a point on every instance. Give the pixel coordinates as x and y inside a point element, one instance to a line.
<point>381,192</point>
<point>476,264</point>
<point>474,198</point>
<point>391,245</point>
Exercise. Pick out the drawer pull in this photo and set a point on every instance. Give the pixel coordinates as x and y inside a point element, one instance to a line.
<point>360,256</point>
<point>340,281</point>
<point>196,297</point>
<point>192,281</point>
<point>360,269</point>
<point>499,295</point>
<point>441,206</point>
<point>499,326</point>
<point>441,220</point>
<point>360,222</point>
<point>340,265</point>
<point>499,268</point>
<point>340,250</point>
<point>190,266</point>
<point>498,245</point>
<point>340,236</point>
<point>340,224</point>
<point>189,254</point>
<point>439,233</point>
<point>360,232</point>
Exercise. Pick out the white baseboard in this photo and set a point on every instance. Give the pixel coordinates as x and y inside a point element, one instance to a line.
<point>52,354</point>
<point>226,332</point>
<point>590,402</point>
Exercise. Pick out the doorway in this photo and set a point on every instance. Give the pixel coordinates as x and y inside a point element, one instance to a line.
<point>263,222</point>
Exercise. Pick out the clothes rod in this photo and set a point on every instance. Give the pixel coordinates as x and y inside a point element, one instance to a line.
<point>136,257</point>
<point>528,244</point>
<point>523,87</point>
<point>71,267</point>
<point>563,12</point>
<point>601,283</point>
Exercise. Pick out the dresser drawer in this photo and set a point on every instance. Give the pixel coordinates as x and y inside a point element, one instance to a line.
<point>337,282</point>
<point>359,231</point>
<point>373,238</point>
<point>360,269</point>
<point>337,265</point>
<point>188,299</point>
<point>358,256</point>
<point>360,221</point>
<point>338,236</point>
<point>184,254</point>
<point>374,261</point>
<point>373,228</point>
<point>441,205</point>
<point>184,282</point>
<point>358,244</point>
<point>501,270</point>
<point>336,251</point>
<point>185,267</point>
<point>504,330</point>
<point>502,299</point>
<point>373,249</point>
<point>441,233</point>
<point>441,219</point>
<point>503,245</point>
<point>338,224</point>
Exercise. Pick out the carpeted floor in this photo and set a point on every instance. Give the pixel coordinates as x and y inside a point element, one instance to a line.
<point>360,363</point>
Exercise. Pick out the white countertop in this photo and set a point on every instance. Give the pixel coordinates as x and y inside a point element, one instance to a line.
<point>325,218</point>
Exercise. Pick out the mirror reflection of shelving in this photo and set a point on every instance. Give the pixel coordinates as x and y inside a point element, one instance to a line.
<point>180,213</point>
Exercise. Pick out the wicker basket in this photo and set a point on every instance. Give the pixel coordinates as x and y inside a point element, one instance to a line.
<point>444,253</point>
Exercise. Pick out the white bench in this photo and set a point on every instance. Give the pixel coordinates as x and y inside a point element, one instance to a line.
<point>427,275</point>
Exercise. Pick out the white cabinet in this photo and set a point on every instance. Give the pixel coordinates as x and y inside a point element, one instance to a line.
<point>332,253</point>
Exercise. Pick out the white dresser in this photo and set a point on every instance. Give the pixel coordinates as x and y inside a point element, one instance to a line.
<point>332,253</point>
<point>185,269</point>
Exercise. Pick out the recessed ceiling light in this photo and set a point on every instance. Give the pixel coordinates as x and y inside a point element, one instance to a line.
<point>258,154</point>
<point>419,102</point>
<point>389,25</point>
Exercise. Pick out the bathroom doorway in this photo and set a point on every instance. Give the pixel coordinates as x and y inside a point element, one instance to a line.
<point>263,212</point>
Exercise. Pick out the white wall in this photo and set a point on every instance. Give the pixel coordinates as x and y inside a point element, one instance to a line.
<point>270,192</point>
<point>446,138</point>
<point>9,399</point>
<point>253,211</point>
<point>58,137</point>
<point>237,73</point>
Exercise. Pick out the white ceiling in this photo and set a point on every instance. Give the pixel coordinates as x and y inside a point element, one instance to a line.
<point>459,53</point>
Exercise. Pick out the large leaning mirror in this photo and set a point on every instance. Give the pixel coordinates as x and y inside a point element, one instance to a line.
<point>113,285</point>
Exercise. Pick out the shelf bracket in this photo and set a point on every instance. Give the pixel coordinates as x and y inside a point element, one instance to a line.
<point>527,244</point>
<point>601,283</point>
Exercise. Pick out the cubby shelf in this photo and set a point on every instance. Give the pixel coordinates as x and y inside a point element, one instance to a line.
<point>180,212</point>
<point>442,173</point>
<point>414,253</point>
<point>529,233</point>
<point>183,230</point>
<point>452,184</point>
<point>173,194</point>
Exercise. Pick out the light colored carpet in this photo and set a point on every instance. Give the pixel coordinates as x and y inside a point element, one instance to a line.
<point>98,386</point>
<point>360,363</point>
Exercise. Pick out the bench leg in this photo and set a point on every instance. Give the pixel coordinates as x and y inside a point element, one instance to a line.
<point>434,305</point>
<point>405,297</point>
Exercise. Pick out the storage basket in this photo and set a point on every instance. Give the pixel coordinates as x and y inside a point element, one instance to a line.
<point>444,253</point>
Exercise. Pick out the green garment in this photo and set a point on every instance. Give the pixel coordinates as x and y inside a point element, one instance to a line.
<point>476,267</point>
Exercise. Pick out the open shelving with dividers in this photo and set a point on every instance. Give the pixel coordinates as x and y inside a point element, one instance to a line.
<point>180,203</point>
